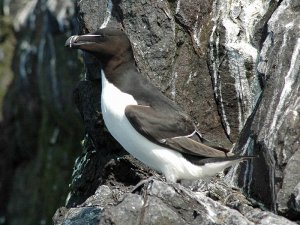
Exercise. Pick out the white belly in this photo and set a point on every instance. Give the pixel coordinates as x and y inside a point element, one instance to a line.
<point>171,163</point>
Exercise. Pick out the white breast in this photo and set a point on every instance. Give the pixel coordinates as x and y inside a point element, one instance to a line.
<point>171,163</point>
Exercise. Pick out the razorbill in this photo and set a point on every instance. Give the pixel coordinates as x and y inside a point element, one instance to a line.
<point>146,123</point>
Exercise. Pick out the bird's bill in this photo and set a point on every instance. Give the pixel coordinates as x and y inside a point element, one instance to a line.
<point>76,41</point>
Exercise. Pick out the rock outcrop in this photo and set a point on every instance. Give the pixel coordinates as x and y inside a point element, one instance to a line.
<point>161,203</point>
<point>278,136</point>
<point>274,131</point>
<point>233,66</point>
<point>40,126</point>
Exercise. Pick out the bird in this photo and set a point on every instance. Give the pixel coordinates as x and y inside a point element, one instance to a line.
<point>148,125</point>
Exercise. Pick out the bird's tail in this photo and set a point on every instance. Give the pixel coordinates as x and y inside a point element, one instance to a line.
<point>228,158</point>
<point>202,161</point>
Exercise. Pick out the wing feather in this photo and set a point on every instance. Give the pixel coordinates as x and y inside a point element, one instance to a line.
<point>171,129</point>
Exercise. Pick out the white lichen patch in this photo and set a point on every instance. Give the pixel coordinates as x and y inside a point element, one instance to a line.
<point>238,20</point>
<point>214,57</point>
<point>108,14</point>
<point>252,13</point>
<point>196,33</point>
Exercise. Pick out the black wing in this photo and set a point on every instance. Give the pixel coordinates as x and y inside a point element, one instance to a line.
<point>173,130</point>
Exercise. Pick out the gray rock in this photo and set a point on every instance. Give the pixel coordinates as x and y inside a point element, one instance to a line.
<point>172,59</point>
<point>296,198</point>
<point>40,128</point>
<point>217,62</point>
<point>152,35</point>
<point>275,128</point>
<point>161,203</point>
<point>287,195</point>
<point>92,14</point>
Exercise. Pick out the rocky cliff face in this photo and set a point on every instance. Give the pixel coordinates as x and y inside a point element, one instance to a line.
<point>233,65</point>
<point>40,127</point>
<point>278,136</point>
<point>256,47</point>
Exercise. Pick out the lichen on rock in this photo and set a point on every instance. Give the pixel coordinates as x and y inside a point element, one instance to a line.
<point>218,62</point>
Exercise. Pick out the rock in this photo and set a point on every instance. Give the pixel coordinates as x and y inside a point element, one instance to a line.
<point>40,128</point>
<point>217,62</point>
<point>92,14</point>
<point>274,132</point>
<point>162,203</point>
<point>172,59</point>
<point>234,45</point>
<point>287,198</point>
<point>7,42</point>
<point>295,198</point>
<point>232,65</point>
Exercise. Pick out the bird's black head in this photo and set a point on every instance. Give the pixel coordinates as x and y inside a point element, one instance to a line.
<point>109,45</point>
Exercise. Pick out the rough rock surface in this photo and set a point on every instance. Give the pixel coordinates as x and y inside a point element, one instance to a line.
<point>275,130</point>
<point>162,203</point>
<point>232,65</point>
<point>215,59</point>
<point>40,127</point>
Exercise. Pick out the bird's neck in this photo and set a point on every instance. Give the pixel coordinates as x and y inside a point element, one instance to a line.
<point>123,75</point>
<point>117,63</point>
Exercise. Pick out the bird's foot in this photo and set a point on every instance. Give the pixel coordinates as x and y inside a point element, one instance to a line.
<point>181,189</point>
<point>142,183</point>
<point>147,181</point>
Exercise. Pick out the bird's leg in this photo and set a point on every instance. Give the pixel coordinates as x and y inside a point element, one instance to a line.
<point>181,189</point>
<point>141,183</point>
<point>145,181</point>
